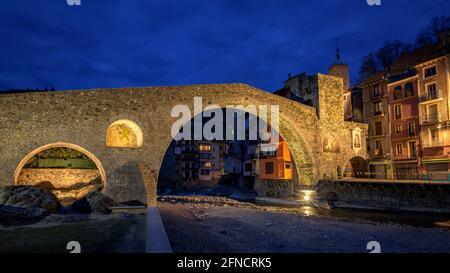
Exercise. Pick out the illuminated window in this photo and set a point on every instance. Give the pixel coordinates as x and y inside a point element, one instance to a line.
<point>379,148</point>
<point>207,164</point>
<point>398,128</point>
<point>399,149</point>
<point>397,111</point>
<point>432,91</point>
<point>204,148</point>
<point>377,108</point>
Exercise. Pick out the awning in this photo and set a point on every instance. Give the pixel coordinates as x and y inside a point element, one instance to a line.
<point>436,160</point>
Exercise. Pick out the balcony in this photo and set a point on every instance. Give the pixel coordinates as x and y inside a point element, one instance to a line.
<point>376,95</point>
<point>377,113</point>
<point>431,96</point>
<point>378,152</point>
<point>434,142</point>
<point>430,119</point>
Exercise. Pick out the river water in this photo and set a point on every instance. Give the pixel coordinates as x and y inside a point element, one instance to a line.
<point>418,219</point>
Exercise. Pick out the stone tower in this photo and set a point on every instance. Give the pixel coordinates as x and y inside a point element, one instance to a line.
<point>340,70</point>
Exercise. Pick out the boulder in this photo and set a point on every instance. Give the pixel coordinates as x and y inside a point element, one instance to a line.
<point>94,202</point>
<point>29,197</point>
<point>21,216</point>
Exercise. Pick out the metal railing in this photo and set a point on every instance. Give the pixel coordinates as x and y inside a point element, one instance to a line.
<point>432,95</point>
<point>435,142</point>
<point>430,118</point>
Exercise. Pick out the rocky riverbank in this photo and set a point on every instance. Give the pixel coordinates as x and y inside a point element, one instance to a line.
<point>216,224</point>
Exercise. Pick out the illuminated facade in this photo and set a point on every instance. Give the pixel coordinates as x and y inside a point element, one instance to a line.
<point>434,100</point>
<point>404,126</point>
<point>275,161</point>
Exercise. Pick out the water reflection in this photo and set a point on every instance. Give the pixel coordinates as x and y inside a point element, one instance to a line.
<point>417,219</point>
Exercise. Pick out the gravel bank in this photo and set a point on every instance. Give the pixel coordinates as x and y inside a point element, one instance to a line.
<point>216,224</point>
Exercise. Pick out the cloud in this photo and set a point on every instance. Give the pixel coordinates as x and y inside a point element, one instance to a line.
<point>167,42</point>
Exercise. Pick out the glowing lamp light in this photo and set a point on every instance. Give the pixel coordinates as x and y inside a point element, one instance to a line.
<point>307,196</point>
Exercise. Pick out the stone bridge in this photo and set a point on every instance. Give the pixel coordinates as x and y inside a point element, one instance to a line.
<point>86,120</point>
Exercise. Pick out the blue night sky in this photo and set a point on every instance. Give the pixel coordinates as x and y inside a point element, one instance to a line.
<point>124,43</point>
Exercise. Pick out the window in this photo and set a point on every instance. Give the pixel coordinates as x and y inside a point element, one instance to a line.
<point>378,128</point>
<point>399,149</point>
<point>356,140</point>
<point>204,148</point>
<point>207,164</point>
<point>376,90</point>
<point>430,71</point>
<point>432,112</point>
<point>431,91</point>
<point>288,166</point>
<point>377,108</point>
<point>412,149</point>
<point>397,111</point>
<point>398,129</point>
<point>434,134</point>
<point>269,167</point>
<point>409,89</point>
<point>379,147</point>
<point>205,171</point>
<point>411,128</point>
<point>248,167</point>
<point>398,92</point>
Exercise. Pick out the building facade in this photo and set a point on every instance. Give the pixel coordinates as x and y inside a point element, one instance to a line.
<point>404,126</point>
<point>275,161</point>
<point>376,115</point>
<point>434,101</point>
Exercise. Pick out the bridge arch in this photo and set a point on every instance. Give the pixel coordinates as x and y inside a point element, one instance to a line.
<point>80,149</point>
<point>301,153</point>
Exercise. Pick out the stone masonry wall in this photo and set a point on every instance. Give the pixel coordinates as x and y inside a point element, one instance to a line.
<point>60,178</point>
<point>30,120</point>
<point>430,197</point>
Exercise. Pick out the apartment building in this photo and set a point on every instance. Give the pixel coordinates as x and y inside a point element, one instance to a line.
<point>434,116</point>
<point>275,161</point>
<point>404,125</point>
<point>376,115</point>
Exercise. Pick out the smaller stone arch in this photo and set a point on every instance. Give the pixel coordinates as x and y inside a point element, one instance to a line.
<point>124,133</point>
<point>356,168</point>
<point>58,145</point>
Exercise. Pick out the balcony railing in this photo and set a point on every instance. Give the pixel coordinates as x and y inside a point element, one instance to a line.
<point>378,113</point>
<point>378,152</point>
<point>431,95</point>
<point>435,142</point>
<point>374,95</point>
<point>431,118</point>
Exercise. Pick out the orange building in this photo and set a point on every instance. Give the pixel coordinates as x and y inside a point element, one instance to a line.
<point>275,162</point>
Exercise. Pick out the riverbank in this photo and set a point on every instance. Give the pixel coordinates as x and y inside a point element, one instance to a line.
<point>195,226</point>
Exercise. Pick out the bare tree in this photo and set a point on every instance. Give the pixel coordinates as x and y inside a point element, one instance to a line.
<point>429,34</point>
